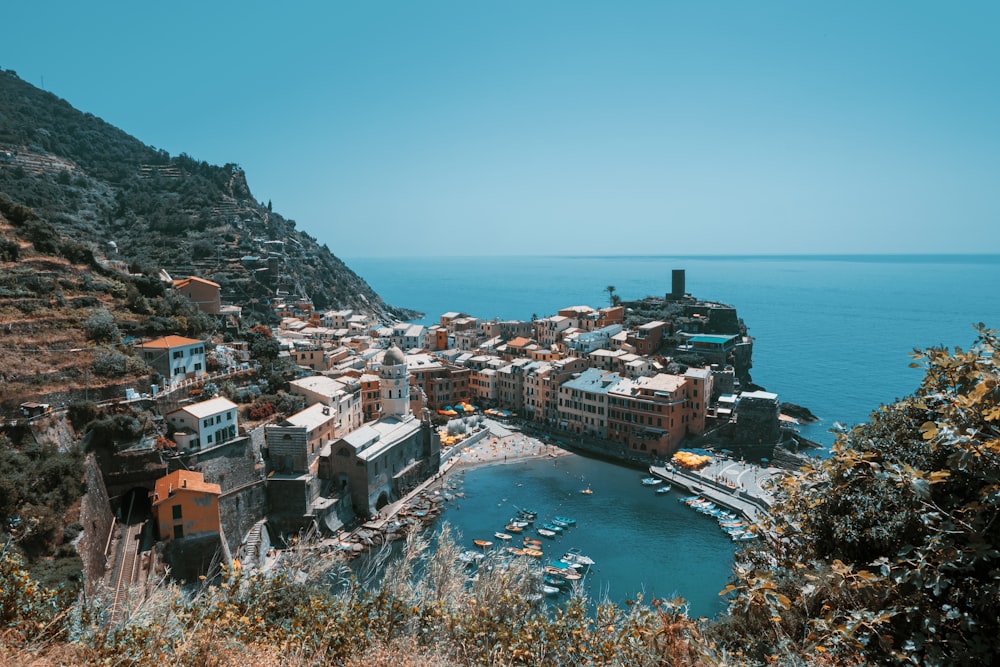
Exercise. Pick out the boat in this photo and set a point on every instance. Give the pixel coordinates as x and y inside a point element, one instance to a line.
<point>586,491</point>
<point>511,528</point>
<point>560,523</point>
<point>532,542</point>
<point>651,481</point>
<point>516,551</point>
<point>555,528</point>
<point>469,557</point>
<point>664,489</point>
<point>520,523</point>
<point>551,590</point>
<point>482,544</point>
<point>527,515</point>
<point>574,556</point>
<point>545,532</point>
<point>503,536</point>
<point>534,553</point>
<point>552,580</point>
<point>566,520</point>
<point>572,576</point>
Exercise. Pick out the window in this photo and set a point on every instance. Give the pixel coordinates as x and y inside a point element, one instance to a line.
<point>178,532</point>
<point>176,510</point>
<point>178,354</point>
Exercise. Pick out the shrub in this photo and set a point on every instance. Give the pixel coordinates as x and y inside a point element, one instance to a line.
<point>116,364</point>
<point>100,327</point>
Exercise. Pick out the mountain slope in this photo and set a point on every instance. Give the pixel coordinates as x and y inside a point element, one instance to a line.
<point>123,201</point>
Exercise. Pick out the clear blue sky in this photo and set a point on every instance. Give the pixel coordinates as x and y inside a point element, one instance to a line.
<point>560,127</point>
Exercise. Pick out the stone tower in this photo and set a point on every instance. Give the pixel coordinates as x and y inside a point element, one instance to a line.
<point>394,383</point>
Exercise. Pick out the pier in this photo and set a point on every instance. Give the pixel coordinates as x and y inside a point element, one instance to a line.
<point>740,487</point>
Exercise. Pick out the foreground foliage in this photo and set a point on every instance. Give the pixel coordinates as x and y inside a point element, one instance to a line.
<point>424,612</point>
<point>888,552</point>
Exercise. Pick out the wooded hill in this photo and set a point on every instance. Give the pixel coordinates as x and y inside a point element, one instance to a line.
<point>95,191</point>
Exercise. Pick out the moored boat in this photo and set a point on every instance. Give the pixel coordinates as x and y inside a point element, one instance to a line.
<point>560,523</point>
<point>651,481</point>
<point>545,532</point>
<point>482,544</point>
<point>566,520</point>
<point>511,528</point>
<point>574,556</point>
<point>534,553</point>
<point>553,527</point>
<point>664,489</point>
<point>503,536</point>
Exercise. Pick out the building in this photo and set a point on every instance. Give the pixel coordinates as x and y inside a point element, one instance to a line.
<point>205,295</point>
<point>204,424</point>
<point>583,402</point>
<point>647,338</point>
<point>381,461</point>
<point>185,506</point>
<point>294,445</point>
<point>548,330</point>
<point>652,415</point>
<point>343,396</point>
<point>174,357</point>
<point>442,383</point>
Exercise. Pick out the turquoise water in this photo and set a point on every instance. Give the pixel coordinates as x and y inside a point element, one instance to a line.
<point>642,542</point>
<point>831,333</point>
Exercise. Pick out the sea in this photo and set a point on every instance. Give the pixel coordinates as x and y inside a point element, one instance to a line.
<point>834,334</point>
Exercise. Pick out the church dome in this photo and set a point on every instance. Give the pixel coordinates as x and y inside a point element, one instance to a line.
<point>393,357</point>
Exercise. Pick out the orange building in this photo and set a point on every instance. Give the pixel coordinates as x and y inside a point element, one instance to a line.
<point>204,294</point>
<point>185,505</point>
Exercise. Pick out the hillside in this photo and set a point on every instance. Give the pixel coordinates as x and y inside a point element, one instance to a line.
<point>137,208</point>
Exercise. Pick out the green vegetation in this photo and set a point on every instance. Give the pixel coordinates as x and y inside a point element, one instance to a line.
<point>888,551</point>
<point>73,185</point>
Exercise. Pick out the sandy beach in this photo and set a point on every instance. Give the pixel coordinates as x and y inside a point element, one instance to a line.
<point>503,445</point>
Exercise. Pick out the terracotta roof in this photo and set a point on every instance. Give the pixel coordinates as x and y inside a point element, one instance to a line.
<point>168,342</point>
<point>186,480</point>
<point>182,282</point>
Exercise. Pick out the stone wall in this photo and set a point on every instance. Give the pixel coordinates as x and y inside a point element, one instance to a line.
<point>97,520</point>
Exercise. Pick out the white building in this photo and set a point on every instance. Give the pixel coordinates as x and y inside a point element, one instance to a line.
<point>204,424</point>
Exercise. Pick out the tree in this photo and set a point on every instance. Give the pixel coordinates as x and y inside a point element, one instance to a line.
<point>610,289</point>
<point>888,551</point>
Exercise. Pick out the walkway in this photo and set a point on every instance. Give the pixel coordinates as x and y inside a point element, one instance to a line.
<point>741,487</point>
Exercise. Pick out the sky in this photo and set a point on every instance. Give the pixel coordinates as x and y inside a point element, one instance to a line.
<point>559,127</point>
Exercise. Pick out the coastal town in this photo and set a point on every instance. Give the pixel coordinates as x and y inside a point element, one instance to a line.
<point>383,411</point>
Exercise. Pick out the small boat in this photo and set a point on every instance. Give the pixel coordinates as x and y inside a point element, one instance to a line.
<point>555,528</point>
<point>520,523</point>
<point>651,481</point>
<point>572,576</point>
<point>560,523</point>
<point>552,580</point>
<point>574,556</point>
<point>470,557</point>
<point>545,532</point>
<point>516,551</point>
<point>482,544</point>
<point>551,590</point>
<point>503,536</point>
<point>532,542</point>
<point>534,553</point>
<point>688,499</point>
<point>527,515</point>
<point>513,529</point>
<point>586,491</point>
<point>664,489</point>
<point>566,520</point>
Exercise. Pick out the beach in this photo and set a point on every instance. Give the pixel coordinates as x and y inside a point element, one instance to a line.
<point>502,445</point>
